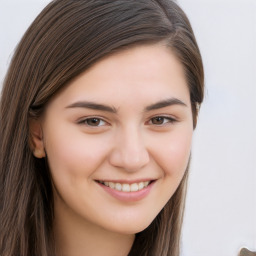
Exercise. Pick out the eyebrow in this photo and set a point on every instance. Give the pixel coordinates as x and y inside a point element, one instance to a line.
<point>165,103</point>
<point>92,105</point>
<point>101,107</point>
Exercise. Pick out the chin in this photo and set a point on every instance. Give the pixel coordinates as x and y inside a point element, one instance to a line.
<point>131,228</point>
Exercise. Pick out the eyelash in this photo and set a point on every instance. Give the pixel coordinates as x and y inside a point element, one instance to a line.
<point>95,118</point>
<point>166,120</point>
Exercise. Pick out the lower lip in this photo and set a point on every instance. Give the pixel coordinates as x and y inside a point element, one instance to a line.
<point>128,196</point>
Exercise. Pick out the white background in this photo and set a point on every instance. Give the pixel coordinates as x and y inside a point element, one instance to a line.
<point>221,205</point>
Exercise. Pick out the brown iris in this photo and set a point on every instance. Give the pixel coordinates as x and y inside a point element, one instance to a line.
<point>93,121</point>
<point>157,120</point>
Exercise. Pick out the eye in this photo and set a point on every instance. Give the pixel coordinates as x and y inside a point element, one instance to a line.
<point>93,121</point>
<point>161,120</point>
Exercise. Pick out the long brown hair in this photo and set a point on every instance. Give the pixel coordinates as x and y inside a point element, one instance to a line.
<point>65,39</point>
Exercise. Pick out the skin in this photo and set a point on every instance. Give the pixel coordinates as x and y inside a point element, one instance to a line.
<point>127,144</point>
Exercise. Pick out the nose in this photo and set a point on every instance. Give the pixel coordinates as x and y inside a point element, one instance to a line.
<point>129,151</point>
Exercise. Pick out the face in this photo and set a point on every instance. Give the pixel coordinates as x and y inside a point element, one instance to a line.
<point>118,139</point>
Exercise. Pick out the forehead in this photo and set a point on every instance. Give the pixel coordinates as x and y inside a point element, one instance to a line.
<point>147,72</point>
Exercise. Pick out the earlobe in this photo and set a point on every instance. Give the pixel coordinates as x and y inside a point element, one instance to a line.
<point>36,142</point>
<point>39,153</point>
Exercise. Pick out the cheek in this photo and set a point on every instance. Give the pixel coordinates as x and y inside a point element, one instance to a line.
<point>173,155</point>
<point>74,155</point>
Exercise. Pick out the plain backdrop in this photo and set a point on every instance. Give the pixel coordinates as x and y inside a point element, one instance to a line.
<point>220,215</point>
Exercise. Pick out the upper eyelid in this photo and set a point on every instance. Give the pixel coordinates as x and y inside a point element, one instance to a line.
<point>91,117</point>
<point>167,116</point>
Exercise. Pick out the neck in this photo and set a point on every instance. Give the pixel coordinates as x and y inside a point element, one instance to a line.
<point>74,236</point>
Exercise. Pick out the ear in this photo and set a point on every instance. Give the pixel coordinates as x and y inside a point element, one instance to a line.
<point>36,142</point>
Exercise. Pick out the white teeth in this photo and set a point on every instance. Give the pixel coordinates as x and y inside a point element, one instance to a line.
<point>134,187</point>
<point>141,185</point>
<point>146,183</point>
<point>126,187</point>
<point>111,185</point>
<point>118,186</point>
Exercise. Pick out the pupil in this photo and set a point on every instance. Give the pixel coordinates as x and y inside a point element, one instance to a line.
<point>93,121</point>
<point>157,120</point>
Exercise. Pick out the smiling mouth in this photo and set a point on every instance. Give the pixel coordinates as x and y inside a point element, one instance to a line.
<point>124,187</point>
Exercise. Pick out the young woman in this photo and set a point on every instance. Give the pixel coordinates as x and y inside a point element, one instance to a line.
<point>97,113</point>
